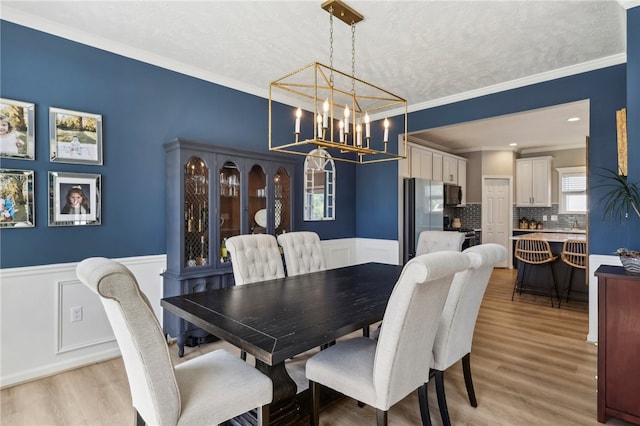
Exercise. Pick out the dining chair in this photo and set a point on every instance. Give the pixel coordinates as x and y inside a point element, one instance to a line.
<point>534,252</point>
<point>302,252</point>
<point>457,323</point>
<point>574,254</point>
<point>211,388</point>
<point>254,258</point>
<point>381,372</point>
<point>432,241</point>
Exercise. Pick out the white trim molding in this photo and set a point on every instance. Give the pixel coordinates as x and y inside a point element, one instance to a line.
<point>595,260</point>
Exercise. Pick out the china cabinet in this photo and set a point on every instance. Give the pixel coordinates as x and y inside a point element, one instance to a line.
<point>214,193</point>
<point>533,182</point>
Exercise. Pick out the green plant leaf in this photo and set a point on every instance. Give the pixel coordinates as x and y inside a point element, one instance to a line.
<point>622,197</point>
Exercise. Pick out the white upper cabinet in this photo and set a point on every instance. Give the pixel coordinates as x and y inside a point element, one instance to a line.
<point>437,166</point>
<point>462,179</point>
<point>450,170</point>
<point>421,162</point>
<point>533,182</point>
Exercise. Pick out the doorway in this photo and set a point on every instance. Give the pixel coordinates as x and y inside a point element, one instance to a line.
<point>497,214</point>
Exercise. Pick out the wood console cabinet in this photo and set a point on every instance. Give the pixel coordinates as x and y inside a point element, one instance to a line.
<point>618,344</point>
<point>213,193</point>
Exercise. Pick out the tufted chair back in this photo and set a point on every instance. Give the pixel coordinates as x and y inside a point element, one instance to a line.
<point>255,257</point>
<point>302,252</point>
<point>432,241</point>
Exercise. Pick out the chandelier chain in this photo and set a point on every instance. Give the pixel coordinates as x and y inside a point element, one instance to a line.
<point>331,46</point>
<point>353,58</point>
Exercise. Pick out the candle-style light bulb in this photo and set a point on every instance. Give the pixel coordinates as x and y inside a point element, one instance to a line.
<point>341,126</point>
<point>319,120</point>
<point>325,115</point>
<point>298,115</point>
<point>346,118</point>
<point>367,126</point>
<point>386,131</point>
<point>359,135</point>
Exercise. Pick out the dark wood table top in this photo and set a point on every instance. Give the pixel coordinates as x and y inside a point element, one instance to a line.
<point>278,319</point>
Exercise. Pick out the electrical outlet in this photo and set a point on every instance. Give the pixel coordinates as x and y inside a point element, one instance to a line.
<point>544,217</point>
<point>76,313</point>
<point>554,218</point>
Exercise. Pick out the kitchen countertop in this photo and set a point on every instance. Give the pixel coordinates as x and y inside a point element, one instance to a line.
<point>559,230</point>
<point>552,237</point>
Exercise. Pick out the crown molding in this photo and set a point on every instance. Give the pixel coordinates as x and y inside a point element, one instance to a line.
<point>628,4</point>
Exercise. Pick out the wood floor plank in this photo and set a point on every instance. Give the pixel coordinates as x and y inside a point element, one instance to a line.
<point>531,366</point>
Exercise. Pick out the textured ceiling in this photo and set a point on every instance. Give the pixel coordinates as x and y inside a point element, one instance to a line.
<point>424,51</point>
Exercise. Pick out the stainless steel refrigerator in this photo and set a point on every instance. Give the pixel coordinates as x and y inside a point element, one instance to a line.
<point>423,211</point>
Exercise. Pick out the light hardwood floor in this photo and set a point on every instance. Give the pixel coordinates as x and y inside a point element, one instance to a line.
<point>531,366</point>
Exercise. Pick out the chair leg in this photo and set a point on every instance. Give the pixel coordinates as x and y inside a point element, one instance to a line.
<point>442,397</point>
<point>138,420</point>
<point>381,417</point>
<point>263,415</point>
<point>314,416</point>
<point>466,369</point>
<point>424,405</point>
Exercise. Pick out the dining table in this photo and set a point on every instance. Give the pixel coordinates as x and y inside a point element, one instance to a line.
<point>278,319</point>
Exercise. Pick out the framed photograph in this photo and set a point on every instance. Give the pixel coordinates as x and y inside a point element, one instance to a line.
<point>17,129</point>
<point>74,199</point>
<point>16,199</point>
<point>76,137</point>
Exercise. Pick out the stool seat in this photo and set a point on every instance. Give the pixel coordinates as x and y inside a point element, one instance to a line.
<point>534,251</point>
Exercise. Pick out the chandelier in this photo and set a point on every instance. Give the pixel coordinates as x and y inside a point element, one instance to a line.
<point>336,111</point>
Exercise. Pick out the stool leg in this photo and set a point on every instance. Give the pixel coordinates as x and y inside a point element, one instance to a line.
<point>553,286</point>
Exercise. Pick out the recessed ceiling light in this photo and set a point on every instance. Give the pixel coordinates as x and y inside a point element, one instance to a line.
<point>513,144</point>
<point>572,119</point>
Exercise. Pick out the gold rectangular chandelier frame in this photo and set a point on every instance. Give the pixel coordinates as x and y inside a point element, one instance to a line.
<point>321,95</point>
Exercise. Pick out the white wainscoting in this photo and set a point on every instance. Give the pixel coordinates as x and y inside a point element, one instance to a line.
<point>595,260</point>
<point>39,339</point>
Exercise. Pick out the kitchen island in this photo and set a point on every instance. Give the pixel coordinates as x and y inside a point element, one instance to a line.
<point>578,289</point>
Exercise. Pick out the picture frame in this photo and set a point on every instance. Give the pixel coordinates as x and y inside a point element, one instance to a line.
<point>17,129</point>
<point>74,199</point>
<point>75,137</point>
<point>16,199</point>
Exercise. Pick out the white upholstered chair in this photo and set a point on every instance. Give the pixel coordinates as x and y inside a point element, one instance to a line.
<point>457,323</point>
<point>381,373</point>
<point>209,389</point>
<point>302,252</point>
<point>432,241</point>
<point>255,257</point>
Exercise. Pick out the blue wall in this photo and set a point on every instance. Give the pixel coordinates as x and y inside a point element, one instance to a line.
<point>607,91</point>
<point>143,106</point>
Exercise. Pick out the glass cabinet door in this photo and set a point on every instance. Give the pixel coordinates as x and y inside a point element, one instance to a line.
<point>282,196</point>
<point>230,213</point>
<point>196,213</point>
<point>257,200</point>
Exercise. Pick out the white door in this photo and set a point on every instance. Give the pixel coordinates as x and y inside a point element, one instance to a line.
<point>496,214</point>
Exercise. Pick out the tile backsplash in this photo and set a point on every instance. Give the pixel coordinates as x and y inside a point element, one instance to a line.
<point>471,216</point>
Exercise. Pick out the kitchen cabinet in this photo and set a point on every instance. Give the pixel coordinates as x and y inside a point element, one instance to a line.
<point>421,162</point>
<point>462,180</point>
<point>436,165</point>
<point>533,182</point>
<point>213,193</point>
<point>450,170</point>
<point>618,344</point>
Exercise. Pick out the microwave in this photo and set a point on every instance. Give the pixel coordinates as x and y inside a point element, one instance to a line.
<point>452,195</point>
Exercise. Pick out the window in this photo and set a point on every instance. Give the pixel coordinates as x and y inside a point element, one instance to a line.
<point>572,192</point>
<point>319,186</point>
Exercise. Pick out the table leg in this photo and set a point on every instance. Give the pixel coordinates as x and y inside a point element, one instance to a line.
<point>284,407</point>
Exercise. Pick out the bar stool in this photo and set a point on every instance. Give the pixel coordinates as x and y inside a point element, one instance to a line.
<point>533,251</point>
<point>574,254</point>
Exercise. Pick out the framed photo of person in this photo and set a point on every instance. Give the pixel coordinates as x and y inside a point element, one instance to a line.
<point>16,199</point>
<point>17,129</point>
<point>74,199</point>
<point>76,137</point>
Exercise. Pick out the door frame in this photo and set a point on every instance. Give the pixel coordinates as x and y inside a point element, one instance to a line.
<point>483,215</point>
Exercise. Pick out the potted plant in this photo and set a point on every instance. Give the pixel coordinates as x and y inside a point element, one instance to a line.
<point>621,200</point>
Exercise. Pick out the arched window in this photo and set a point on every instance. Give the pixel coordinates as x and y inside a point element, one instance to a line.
<point>319,186</point>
